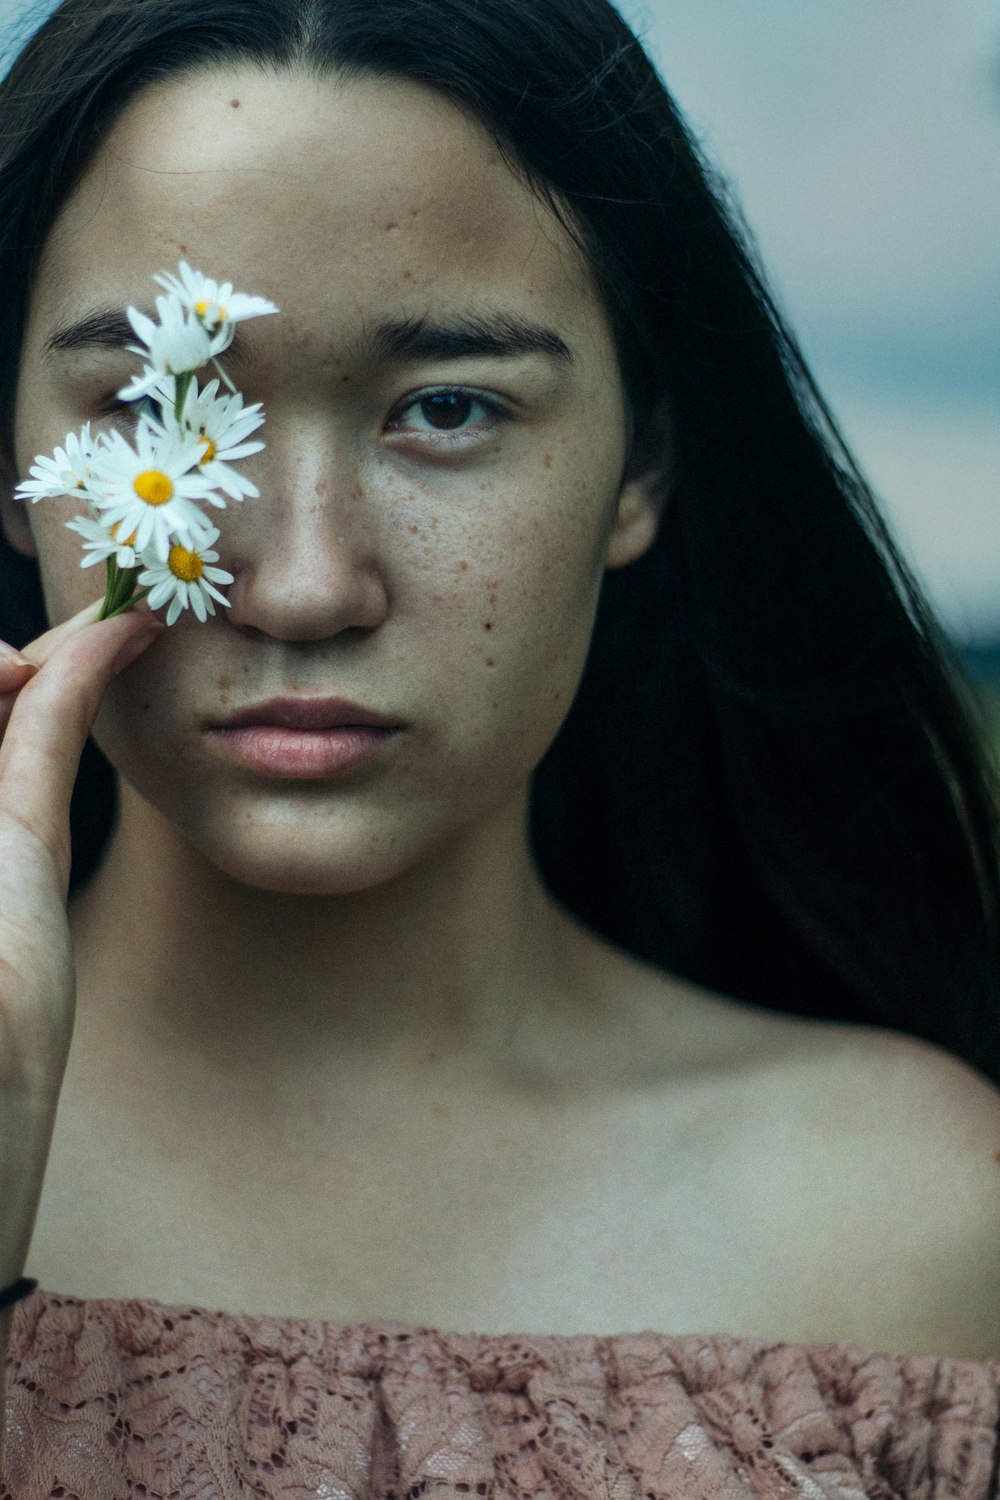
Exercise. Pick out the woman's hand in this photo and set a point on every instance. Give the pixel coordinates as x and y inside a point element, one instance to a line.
<point>49,697</point>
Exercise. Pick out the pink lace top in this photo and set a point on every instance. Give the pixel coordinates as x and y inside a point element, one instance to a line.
<point>115,1400</point>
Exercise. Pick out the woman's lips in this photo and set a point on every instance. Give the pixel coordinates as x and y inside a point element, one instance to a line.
<point>303,738</point>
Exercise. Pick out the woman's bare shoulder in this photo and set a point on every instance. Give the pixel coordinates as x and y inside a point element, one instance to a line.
<point>916,1108</point>
<point>910,1138</point>
<point>862,1164</point>
<point>905,1118</point>
<point>850,1075</point>
<point>887,1174</point>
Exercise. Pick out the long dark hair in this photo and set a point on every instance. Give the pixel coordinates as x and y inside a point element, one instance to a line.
<point>770,781</point>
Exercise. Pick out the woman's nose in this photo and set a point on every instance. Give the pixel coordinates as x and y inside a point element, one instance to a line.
<point>304,554</point>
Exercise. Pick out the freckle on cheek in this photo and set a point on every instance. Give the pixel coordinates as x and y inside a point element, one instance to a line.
<point>463,567</point>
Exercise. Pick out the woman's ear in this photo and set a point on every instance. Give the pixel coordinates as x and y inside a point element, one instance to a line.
<point>14,513</point>
<point>644,491</point>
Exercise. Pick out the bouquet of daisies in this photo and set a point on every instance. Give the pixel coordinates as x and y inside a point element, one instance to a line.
<point>145,500</point>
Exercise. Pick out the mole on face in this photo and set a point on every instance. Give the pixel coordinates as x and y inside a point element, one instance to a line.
<point>234,104</point>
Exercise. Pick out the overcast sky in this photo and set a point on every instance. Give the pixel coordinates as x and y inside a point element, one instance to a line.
<point>863,140</point>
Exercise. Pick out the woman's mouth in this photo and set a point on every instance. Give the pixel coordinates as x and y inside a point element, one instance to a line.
<point>303,738</point>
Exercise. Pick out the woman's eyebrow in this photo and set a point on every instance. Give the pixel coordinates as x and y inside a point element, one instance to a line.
<point>468,334</point>
<point>109,328</point>
<point>408,339</point>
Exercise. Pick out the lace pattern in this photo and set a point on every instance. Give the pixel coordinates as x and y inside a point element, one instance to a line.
<point>121,1400</point>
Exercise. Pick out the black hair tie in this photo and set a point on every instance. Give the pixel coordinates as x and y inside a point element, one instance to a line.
<point>23,1287</point>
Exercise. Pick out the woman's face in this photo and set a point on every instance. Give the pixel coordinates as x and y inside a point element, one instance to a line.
<point>436,562</point>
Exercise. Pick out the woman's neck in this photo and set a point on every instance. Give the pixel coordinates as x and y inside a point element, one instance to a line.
<point>442,960</point>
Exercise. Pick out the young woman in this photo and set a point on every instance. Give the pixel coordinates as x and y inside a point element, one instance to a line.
<point>560,891</point>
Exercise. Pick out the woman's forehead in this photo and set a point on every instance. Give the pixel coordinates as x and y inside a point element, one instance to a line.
<point>314,191</point>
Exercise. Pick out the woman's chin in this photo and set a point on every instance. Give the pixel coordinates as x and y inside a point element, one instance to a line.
<point>296,845</point>
<point>301,872</point>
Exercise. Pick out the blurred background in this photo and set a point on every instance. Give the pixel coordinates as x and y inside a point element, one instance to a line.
<point>862,138</point>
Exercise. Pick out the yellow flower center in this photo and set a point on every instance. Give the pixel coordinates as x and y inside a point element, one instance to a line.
<point>185,565</point>
<point>210,449</point>
<point>201,308</point>
<point>154,487</point>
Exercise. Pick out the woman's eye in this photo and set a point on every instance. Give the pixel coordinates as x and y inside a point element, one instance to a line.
<point>128,412</point>
<point>446,412</point>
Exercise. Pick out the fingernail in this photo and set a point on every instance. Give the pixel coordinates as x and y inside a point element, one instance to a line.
<point>9,654</point>
<point>136,646</point>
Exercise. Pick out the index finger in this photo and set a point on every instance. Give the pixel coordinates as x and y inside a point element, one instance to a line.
<point>41,648</point>
<point>52,717</point>
<point>17,668</point>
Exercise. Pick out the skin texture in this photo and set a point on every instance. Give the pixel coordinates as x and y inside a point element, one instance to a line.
<point>306,951</point>
<point>453,589</point>
<point>334,1037</point>
<point>450,584</point>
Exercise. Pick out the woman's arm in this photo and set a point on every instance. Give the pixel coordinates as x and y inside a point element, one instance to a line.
<point>48,702</point>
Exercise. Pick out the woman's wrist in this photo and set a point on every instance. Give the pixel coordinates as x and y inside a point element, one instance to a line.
<point>26,1131</point>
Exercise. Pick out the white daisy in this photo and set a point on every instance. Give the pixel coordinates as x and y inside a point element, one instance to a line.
<point>216,306</point>
<point>186,579</point>
<point>102,541</point>
<point>222,423</point>
<point>177,345</point>
<point>151,489</point>
<point>67,472</point>
<point>145,496</point>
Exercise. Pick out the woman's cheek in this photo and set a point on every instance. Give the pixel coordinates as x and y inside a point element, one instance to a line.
<point>67,587</point>
<point>525,590</point>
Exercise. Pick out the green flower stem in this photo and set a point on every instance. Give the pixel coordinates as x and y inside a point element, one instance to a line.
<point>109,614</point>
<point>120,591</point>
<point>180,396</point>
